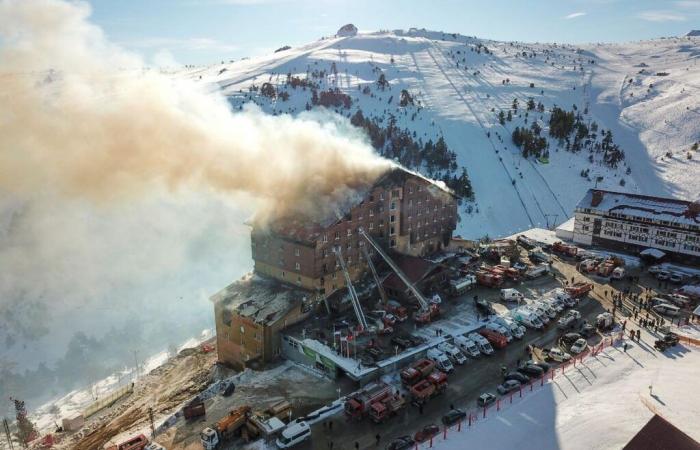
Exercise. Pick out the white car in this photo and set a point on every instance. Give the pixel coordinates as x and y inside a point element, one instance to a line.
<point>557,354</point>
<point>453,353</point>
<point>579,346</point>
<point>294,434</point>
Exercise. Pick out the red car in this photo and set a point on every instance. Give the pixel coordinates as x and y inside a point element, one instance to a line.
<point>426,433</point>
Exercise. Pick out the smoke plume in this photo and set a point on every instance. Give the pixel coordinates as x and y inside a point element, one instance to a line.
<point>80,117</point>
<point>123,191</point>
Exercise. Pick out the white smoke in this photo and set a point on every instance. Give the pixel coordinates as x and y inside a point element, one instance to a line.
<point>121,187</point>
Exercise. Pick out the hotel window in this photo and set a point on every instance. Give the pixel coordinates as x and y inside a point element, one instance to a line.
<point>392,231</point>
<point>325,238</point>
<point>371,212</point>
<point>296,252</point>
<point>371,225</point>
<point>392,218</point>
<point>393,206</point>
<point>297,266</point>
<point>349,232</point>
<point>337,235</point>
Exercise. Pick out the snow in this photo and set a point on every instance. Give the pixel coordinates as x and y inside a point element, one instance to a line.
<point>512,193</point>
<point>600,405</point>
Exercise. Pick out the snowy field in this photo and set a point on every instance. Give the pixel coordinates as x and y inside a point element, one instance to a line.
<point>461,88</point>
<point>609,394</point>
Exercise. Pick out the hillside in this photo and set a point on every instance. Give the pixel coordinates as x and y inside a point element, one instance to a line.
<point>627,116</point>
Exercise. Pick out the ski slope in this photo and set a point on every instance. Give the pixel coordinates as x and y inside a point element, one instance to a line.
<point>460,89</point>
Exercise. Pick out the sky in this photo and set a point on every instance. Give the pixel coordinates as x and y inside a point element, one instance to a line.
<point>174,32</point>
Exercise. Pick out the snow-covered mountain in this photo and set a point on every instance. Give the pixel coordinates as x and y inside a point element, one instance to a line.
<point>633,106</point>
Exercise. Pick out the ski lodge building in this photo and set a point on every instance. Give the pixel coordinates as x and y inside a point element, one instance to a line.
<point>296,268</point>
<point>634,223</point>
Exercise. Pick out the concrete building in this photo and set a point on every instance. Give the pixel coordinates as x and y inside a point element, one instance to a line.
<point>249,315</point>
<point>403,211</point>
<point>633,223</point>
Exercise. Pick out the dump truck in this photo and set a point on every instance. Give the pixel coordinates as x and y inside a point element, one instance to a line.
<point>358,405</point>
<point>225,428</point>
<point>579,289</point>
<point>382,410</point>
<point>564,249</point>
<point>417,371</point>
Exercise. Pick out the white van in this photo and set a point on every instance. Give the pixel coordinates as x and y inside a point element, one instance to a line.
<point>527,318</point>
<point>467,346</point>
<point>666,309</point>
<point>482,343</point>
<point>294,433</point>
<point>547,308</point>
<point>511,295</point>
<point>500,329</point>
<point>539,312</point>
<point>442,361</point>
<point>453,353</point>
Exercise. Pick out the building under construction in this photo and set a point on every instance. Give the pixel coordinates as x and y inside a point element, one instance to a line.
<point>303,266</point>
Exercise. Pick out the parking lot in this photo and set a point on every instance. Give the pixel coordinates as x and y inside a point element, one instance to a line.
<point>477,375</point>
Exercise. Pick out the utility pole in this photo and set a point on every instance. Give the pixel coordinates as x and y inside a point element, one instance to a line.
<point>153,426</point>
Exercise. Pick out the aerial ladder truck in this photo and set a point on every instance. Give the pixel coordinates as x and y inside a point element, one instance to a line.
<point>427,310</point>
<point>373,269</point>
<point>361,320</point>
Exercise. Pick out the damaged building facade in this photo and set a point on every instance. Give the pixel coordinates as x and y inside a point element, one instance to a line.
<point>404,212</point>
<point>295,267</point>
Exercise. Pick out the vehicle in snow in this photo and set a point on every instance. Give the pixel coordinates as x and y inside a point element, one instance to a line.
<point>432,385</point>
<point>484,307</point>
<point>587,265</point>
<point>224,429</point>
<point>385,408</point>
<point>561,295</point>
<point>566,322</point>
<point>453,353</point>
<point>516,330</point>
<point>401,443</point>
<point>417,371</point>
<point>541,364</point>
<point>569,339</point>
<point>537,255</point>
<point>528,318</point>
<point>520,267</point>
<point>539,312</point>
<point>467,346</point>
<point>517,376</point>
<point>294,434</point>
<point>485,399</point>
<point>462,285</point>
<point>453,417</point>
<point>489,279</point>
<point>426,433</point>
<point>507,386</point>
<point>399,311</point>
<point>526,242</point>
<point>554,303</point>
<point>546,308</point>
<point>481,343</point>
<point>359,403</point>
<point>618,273</point>
<point>136,443</point>
<point>531,370</point>
<point>663,275</point>
<point>564,249</point>
<point>666,309</point>
<point>655,269</point>
<point>579,289</point>
<point>401,341</point>
<point>511,295</point>
<point>677,277</point>
<point>579,346</point>
<point>678,299</point>
<point>667,340</point>
<point>500,329</point>
<point>195,408</point>
<point>442,361</point>
<point>556,354</point>
<point>604,321</point>
<point>586,329</point>
<point>495,338</point>
<point>537,271</point>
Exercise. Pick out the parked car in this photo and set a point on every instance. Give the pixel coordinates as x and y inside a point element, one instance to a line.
<point>663,275</point>
<point>453,417</point>
<point>676,277</point>
<point>557,354</point>
<point>655,269</point>
<point>666,309</point>
<point>401,341</point>
<point>401,443</point>
<point>507,386</point>
<point>541,364</point>
<point>453,353</point>
<point>485,399</point>
<point>426,433</point>
<point>579,346</point>
<point>569,339</point>
<point>566,322</point>
<point>517,376</point>
<point>531,370</point>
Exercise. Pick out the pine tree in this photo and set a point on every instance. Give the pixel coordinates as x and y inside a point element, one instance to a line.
<point>25,428</point>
